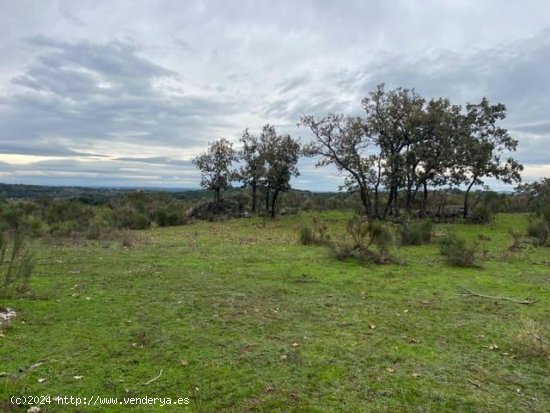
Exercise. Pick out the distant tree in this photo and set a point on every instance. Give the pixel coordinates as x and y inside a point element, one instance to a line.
<point>537,194</point>
<point>406,143</point>
<point>436,149</point>
<point>394,119</point>
<point>281,153</point>
<point>480,149</point>
<point>253,169</point>
<point>343,142</point>
<point>215,166</point>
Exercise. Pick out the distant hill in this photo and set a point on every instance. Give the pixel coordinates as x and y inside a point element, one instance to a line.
<point>42,191</point>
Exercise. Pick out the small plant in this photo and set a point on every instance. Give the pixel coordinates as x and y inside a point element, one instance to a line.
<point>365,234</point>
<point>516,240</point>
<point>539,228</point>
<point>458,251</point>
<point>530,339</point>
<point>317,234</point>
<point>17,270</point>
<point>417,233</point>
<point>127,238</point>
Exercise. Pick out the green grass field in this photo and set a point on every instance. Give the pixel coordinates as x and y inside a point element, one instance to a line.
<point>239,317</point>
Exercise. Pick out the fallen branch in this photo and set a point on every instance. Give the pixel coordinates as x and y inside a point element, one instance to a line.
<point>539,338</point>
<point>526,302</point>
<point>153,379</point>
<point>475,383</point>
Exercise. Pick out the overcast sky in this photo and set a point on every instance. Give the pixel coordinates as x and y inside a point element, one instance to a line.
<point>126,93</point>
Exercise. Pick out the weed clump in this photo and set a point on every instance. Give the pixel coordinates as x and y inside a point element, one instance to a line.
<point>316,234</point>
<point>416,233</point>
<point>16,261</point>
<point>458,251</point>
<point>516,239</point>
<point>530,340</point>
<point>364,235</point>
<point>539,228</point>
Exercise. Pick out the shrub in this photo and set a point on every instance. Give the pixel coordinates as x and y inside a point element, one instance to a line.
<point>540,230</point>
<point>458,251</point>
<point>16,262</point>
<point>482,214</point>
<point>365,234</point>
<point>161,217</point>
<point>317,234</point>
<point>344,251</point>
<point>539,227</point>
<point>171,215</point>
<point>416,233</point>
<point>65,228</point>
<point>516,240</point>
<point>530,339</point>
<point>127,239</point>
<point>127,217</point>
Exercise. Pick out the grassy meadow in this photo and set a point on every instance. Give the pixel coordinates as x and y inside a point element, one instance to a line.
<point>237,316</point>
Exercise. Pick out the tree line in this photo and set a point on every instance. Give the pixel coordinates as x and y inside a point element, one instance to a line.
<point>403,145</point>
<point>268,162</point>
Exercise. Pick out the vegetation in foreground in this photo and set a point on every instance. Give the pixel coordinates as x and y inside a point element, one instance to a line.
<point>239,316</point>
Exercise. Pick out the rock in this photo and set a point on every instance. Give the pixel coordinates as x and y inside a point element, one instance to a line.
<point>6,315</point>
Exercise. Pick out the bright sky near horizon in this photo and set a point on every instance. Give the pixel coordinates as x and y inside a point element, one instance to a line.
<point>126,93</point>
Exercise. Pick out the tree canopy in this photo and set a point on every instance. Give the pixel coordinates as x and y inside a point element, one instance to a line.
<point>405,143</point>
<point>215,166</point>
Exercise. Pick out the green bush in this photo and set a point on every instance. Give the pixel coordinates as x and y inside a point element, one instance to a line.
<point>458,251</point>
<point>482,214</point>
<point>365,234</point>
<point>516,239</point>
<point>16,262</point>
<point>170,215</point>
<point>539,227</point>
<point>317,234</point>
<point>540,230</point>
<point>417,233</point>
<point>65,228</point>
<point>127,217</point>
<point>306,235</point>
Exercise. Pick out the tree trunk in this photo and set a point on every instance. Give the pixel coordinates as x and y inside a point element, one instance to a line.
<point>391,206</point>
<point>424,201</point>
<point>409,199</point>
<point>273,203</point>
<point>217,200</point>
<point>395,209</point>
<point>266,199</point>
<point>376,206</point>
<point>466,197</point>
<point>388,204</point>
<point>365,200</point>
<point>254,190</point>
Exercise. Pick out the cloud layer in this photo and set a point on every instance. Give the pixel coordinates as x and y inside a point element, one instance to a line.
<point>101,94</point>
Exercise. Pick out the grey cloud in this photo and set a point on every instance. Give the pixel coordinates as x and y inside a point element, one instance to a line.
<point>100,172</point>
<point>153,78</point>
<point>44,149</point>
<point>538,128</point>
<point>88,91</point>
<point>513,74</point>
<point>159,160</point>
<point>70,17</point>
<point>533,149</point>
<point>292,83</point>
